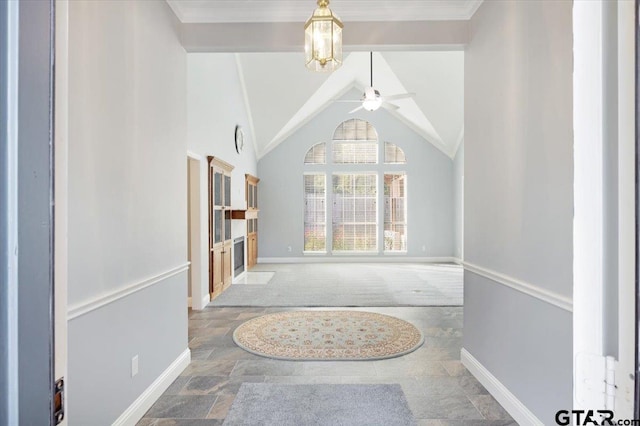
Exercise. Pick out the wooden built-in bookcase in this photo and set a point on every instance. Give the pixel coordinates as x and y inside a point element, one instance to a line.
<point>220,215</point>
<point>251,216</point>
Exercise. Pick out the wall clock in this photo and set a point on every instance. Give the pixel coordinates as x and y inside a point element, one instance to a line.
<point>239,139</point>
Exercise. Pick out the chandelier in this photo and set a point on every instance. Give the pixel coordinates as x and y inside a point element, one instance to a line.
<point>323,39</point>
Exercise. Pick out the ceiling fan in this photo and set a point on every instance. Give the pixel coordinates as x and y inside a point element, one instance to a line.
<point>371,98</point>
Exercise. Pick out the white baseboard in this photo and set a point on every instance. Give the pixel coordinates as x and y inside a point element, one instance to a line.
<point>509,401</point>
<point>457,260</point>
<point>206,300</point>
<point>203,303</point>
<point>142,404</point>
<point>356,259</point>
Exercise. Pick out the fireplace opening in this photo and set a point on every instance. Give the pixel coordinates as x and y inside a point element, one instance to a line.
<point>238,256</point>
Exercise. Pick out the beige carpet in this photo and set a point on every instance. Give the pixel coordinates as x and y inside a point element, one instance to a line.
<point>328,335</point>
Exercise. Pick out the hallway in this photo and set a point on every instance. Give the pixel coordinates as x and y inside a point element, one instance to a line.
<point>439,390</point>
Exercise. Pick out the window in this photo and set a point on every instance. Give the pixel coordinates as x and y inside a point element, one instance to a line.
<point>355,152</point>
<point>355,194</point>
<point>393,154</point>
<point>395,212</point>
<point>355,226</point>
<point>355,130</point>
<point>317,154</point>
<point>355,142</point>
<point>314,212</point>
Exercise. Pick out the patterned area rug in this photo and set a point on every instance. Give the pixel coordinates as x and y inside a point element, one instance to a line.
<point>328,335</point>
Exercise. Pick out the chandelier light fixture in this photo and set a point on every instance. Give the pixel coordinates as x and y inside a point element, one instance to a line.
<point>323,39</point>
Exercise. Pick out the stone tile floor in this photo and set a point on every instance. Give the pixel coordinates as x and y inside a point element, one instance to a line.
<point>439,390</point>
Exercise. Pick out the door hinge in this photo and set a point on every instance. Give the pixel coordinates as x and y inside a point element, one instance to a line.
<point>58,401</point>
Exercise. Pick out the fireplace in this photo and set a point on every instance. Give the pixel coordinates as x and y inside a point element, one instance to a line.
<point>238,256</point>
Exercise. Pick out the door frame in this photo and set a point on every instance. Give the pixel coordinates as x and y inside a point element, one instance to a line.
<point>29,218</point>
<point>194,173</point>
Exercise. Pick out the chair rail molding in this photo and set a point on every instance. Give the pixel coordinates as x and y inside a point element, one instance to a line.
<point>83,308</point>
<point>548,296</point>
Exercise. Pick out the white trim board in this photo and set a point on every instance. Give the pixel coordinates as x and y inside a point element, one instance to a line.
<point>355,259</point>
<point>539,293</point>
<point>98,302</point>
<point>142,404</point>
<point>205,301</point>
<point>509,401</point>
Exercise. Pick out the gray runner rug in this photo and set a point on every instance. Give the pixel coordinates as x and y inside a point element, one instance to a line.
<point>273,404</point>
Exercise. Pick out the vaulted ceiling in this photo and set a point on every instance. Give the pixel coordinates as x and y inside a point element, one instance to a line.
<point>282,95</point>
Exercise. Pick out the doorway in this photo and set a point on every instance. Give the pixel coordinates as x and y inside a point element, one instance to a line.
<point>193,231</point>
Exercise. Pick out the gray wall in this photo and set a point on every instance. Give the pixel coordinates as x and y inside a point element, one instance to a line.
<point>126,201</point>
<point>519,196</point>
<point>429,185</point>
<point>458,200</point>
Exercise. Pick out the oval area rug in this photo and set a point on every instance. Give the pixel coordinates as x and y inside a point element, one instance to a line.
<point>328,335</point>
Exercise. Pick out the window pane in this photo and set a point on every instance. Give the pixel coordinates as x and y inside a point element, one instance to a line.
<point>317,154</point>
<point>227,191</point>
<point>217,226</point>
<point>227,224</point>
<point>217,189</point>
<point>314,212</point>
<point>354,213</point>
<point>355,130</point>
<point>395,212</point>
<point>355,152</point>
<point>355,142</point>
<point>393,154</point>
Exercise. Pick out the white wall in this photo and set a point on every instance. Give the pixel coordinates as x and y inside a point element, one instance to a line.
<point>429,185</point>
<point>215,106</point>
<point>127,203</point>
<point>518,199</point>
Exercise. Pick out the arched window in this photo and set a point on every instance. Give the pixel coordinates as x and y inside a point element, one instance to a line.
<point>317,154</point>
<point>353,195</point>
<point>393,154</point>
<point>355,142</point>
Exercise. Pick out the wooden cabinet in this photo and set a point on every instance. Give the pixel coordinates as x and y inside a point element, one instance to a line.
<point>220,266</point>
<point>251,216</point>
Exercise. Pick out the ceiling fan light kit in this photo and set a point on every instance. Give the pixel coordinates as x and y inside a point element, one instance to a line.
<point>371,98</point>
<point>323,39</point>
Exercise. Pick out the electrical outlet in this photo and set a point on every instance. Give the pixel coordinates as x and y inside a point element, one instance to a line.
<point>134,365</point>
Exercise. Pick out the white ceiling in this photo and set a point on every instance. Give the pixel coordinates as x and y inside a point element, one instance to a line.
<point>226,11</point>
<point>282,95</point>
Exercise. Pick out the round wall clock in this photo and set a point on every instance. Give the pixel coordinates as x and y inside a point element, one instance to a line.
<point>239,139</point>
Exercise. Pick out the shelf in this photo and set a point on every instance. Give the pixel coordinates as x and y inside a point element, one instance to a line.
<point>244,214</point>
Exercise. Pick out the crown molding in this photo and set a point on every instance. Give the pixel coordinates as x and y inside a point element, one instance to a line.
<point>234,11</point>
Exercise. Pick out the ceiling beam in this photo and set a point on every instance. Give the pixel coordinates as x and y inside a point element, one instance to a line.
<point>358,36</point>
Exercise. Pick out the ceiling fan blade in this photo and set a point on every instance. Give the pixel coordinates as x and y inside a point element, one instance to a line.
<point>356,109</point>
<point>390,107</point>
<point>400,96</point>
<point>348,100</point>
